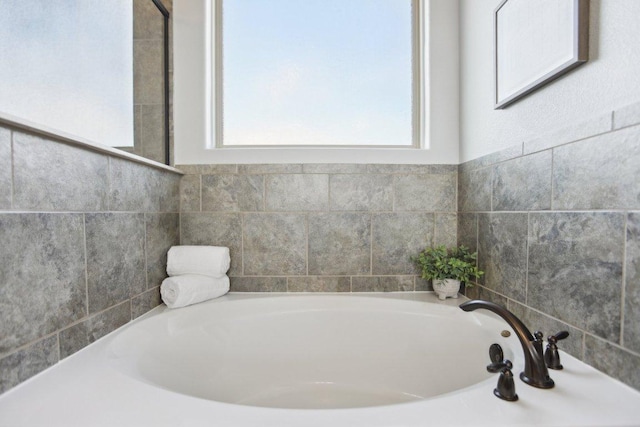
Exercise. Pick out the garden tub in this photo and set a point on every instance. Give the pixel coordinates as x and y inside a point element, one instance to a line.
<point>402,359</point>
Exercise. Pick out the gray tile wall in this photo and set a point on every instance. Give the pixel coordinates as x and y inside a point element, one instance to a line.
<point>148,81</point>
<point>320,227</point>
<point>556,222</point>
<point>84,241</point>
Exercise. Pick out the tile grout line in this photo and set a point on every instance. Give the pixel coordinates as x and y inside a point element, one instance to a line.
<point>624,278</point>
<point>86,263</point>
<point>552,192</point>
<point>526,272</point>
<point>242,218</point>
<point>146,262</point>
<point>13,168</point>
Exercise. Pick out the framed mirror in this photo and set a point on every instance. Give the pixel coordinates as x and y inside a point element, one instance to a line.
<point>536,43</point>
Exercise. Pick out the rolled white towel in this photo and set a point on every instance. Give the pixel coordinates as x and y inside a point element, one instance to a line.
<point>211,261</point>
<point>180,291</point>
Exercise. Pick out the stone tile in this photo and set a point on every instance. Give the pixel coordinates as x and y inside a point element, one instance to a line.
<point>480,292</point>
<point>435,192</point>
<point>216,229</point>
<point>139,188</point>
<point>361,192</point>
<point>6,180</point>
<point>502,253</point>
<point>334,168</point>
<point>95,327</point>
<point>190,193</point>
<point>42,279</point>
<point>590,127</point>
<point>148,72</point>
<point>396,238</point>
<point>162,232</point>
<point>339,243</point>
<point>137,132</point>
<point>628,115</point>
<point>297,192</point>
<point>53,176</point>
<point>613,360</point>
<point>148,22</point>
<point>422,285</point>
<point>168,184</point>
<point>140,304</point>
<point>598,173</point>
<point>133,187</point>
<point>270,168</point>
<point>274,244</point>
<point>537,321</point>
<point>468,231</point>
<point>493,158</point>
<point>631,329</point>
<point>258,284</point>
<point>474,190</point>
<point>523,183</point>
<point>24,364</point>
<point>152,132</point>
<point>382,284</point>
<point>575,269</point>
<point>319,284</point>
<point>207,169</point>
<point>446,230</point>
<point>232,193</point>
<point>411,169</point>
<point>115,258</point>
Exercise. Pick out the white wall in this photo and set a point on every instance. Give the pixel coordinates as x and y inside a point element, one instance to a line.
<point>192,126</point>
<point>610,80</point>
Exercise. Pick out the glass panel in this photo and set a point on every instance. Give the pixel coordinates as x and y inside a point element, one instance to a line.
<point>68,65</point>
<point>317,72</point>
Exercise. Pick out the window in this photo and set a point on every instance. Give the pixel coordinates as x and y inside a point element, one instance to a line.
<point>317,73</point>
<point>68,66</point>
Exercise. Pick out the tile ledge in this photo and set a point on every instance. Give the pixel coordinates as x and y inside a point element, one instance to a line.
<point>60,136</point>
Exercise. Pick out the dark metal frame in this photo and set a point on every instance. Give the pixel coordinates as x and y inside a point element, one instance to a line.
<point>580,28</point>
<point>167,143</point>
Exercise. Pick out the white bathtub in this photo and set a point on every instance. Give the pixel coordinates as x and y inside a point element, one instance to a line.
<point>309,360</point>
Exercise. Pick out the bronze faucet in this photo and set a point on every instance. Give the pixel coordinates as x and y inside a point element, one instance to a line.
<point>535,370</point>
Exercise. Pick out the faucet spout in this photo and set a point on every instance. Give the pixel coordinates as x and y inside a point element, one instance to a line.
<point>535,370</point>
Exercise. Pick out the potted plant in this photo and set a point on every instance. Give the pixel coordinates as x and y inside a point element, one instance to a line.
<point>447,268</point>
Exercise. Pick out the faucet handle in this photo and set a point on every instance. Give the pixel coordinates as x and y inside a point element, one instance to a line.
<point>506,389</point>
<point>553,339</point>
<point>495,353</point>
<point>551,355</point>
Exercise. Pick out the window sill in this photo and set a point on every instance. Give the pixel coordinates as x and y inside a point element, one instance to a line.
<point>244,155</point>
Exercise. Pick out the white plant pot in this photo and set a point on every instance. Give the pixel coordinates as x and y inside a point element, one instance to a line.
<point>446,288</point>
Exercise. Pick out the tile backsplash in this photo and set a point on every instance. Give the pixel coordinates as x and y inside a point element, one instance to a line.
<point>556,225</point>
<point>320,227</point>
<point>84,239</point>
<point>555,221</point>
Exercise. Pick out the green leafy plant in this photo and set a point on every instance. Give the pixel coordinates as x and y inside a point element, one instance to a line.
<point>442,263</point>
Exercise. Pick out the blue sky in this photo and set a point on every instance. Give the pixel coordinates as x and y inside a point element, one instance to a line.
<point>317,72</point>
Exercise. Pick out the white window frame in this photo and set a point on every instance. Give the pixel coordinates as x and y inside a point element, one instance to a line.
<point>194,95</point>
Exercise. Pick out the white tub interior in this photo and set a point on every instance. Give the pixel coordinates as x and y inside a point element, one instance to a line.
<point>311,352</point>
<point>247,360</point>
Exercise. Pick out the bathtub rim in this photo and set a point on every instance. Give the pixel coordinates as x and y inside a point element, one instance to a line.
<point>34,403</point>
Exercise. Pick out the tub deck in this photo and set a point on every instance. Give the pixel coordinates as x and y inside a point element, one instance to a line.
<point>86,390</point>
